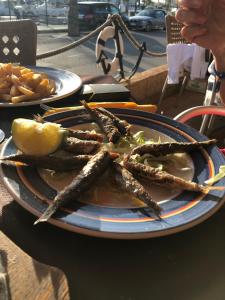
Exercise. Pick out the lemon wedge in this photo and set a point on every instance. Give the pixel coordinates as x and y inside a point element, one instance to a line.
<point>34,138</point>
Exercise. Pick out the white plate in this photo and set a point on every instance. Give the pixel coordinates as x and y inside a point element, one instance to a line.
<point>66,82</point>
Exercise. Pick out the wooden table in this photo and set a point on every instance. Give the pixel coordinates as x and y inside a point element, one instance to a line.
<point>22,277</point>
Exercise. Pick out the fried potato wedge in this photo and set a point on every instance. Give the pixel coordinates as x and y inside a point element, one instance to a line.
<point>19,84</point>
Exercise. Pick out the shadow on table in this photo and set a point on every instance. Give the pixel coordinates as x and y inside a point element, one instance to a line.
<point>188,265</point>
<point>4,283</point>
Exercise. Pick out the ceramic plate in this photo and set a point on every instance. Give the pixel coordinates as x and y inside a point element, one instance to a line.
<point>66,82</point>
<point>117,218</point>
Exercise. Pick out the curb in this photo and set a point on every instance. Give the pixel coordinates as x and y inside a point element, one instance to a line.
<point>51,28</point>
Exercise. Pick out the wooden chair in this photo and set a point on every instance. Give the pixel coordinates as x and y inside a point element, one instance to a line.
<point>173,29</point>
<point>18,42</point>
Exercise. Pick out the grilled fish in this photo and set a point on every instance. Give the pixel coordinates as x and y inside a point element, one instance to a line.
<point>85,135</point>
<point>126,180</point>
<point>50,162</point>
<point>122,125</point>
<point>76,146</point>
<point>167,148</point>
<point>80,134</point>
<point>104,122</point>
<point>90,172</point>
<point>161,177</point>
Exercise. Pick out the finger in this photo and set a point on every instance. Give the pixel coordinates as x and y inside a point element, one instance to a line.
<point>191,32</point>
<point>190,3</point>
<point>190,17</point>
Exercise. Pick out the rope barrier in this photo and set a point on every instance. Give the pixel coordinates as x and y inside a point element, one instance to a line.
<point>116,19</point>
<point>134,42</point>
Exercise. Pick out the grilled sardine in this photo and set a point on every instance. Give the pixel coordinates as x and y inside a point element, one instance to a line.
<point>50,162</point>
<point>105,123</point>
<point>122,125</point>
<point>90,172</point>
<point>161,177</point>
<point>126,180</point>
<point>167,148</point>
<point>76,146</point>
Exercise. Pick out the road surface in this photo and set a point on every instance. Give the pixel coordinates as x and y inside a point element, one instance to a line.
<point>82,60</point>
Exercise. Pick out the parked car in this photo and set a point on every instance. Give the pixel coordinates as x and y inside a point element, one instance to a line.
<point>148,19</point>
<point>52,11</point>
<point>28,10</point>
<point>7,9</point>
<point>93,14</point>
<point>90,14</point>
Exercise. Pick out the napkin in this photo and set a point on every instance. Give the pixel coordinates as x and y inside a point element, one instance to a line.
<point>199,64</point>
<point>185,57</point>
<point>179,57</point>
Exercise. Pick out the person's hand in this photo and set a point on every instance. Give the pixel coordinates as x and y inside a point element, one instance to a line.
<point>204,23</point>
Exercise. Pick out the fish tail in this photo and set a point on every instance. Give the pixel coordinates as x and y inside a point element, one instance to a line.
<point>47,214</point>
<point>158,216</point>
<point>38,118</point>
<point>204,189</point>
<point>156,210</point>
<point>84,103</point>
<point>92,112</point>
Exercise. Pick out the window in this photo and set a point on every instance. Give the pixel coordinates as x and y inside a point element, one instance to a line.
<point>102,9</point>
<point>114,10</point>
<point>147,13</point>
<point>159,14</point>
<point>84,9</point>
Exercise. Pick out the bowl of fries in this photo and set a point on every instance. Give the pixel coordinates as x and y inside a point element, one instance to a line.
<point>25,85</point>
